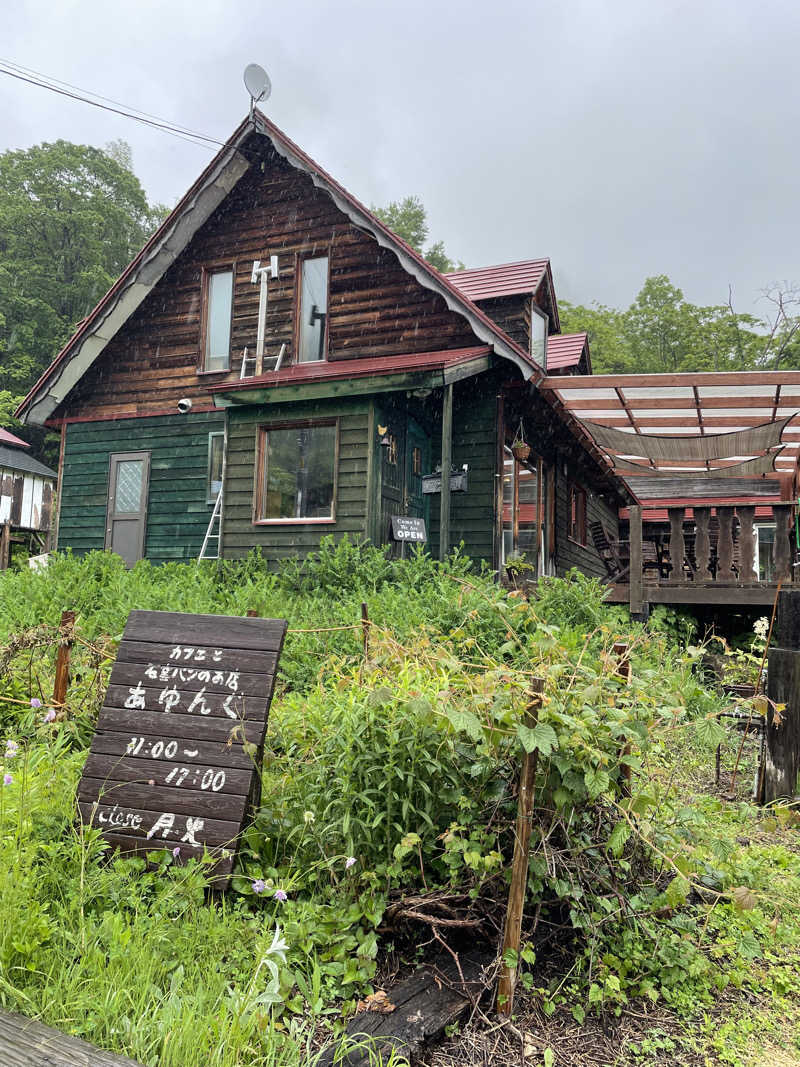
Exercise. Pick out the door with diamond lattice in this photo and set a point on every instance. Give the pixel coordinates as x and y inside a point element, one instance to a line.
<point>126,515</point>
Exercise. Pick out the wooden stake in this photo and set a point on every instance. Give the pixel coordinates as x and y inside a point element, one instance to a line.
<point>5,546</point>
<point>519,869</point>
<point>624,671</point>
<point>62,658</point>
<point>365,627</point>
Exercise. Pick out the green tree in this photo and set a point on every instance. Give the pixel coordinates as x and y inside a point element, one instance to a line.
<point>409,220</point>
<point>662,332</point>
<point>71,219</point>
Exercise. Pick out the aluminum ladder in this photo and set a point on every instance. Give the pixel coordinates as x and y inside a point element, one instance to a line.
<point>216,517</point>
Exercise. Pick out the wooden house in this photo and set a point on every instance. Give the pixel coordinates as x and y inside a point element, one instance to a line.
<point>276,365</point>
<point>26,496</point>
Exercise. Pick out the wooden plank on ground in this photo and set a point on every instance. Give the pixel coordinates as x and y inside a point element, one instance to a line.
<point>27,1043</point>
<point>424,1005</point>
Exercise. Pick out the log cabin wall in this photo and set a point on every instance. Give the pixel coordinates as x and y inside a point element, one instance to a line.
<point>375,307</point>
<point>178,507</point>
<point>513,315</point>
<point>569,553</point>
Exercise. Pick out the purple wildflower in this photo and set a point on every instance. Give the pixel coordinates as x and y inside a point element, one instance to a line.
<point>8,779</point>
<point>35,702</point>
<point>176,851</point>
<point>49,715</point>
<point>259,885</point>
<point>11,749</point>
<point>279,895</point>
<point>349,862</point>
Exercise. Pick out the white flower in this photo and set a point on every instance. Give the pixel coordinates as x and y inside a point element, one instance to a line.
<point>278,946</point>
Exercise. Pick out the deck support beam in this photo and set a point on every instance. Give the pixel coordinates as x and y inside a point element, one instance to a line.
<point>636,571</point>
<point>447,462</point>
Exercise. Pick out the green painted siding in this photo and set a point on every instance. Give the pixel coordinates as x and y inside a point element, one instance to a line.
<point>178,512</point>
<point>279,541</point>
<point>472,514</point>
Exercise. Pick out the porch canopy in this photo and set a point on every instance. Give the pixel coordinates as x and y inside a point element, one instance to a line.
<point>711,436</point>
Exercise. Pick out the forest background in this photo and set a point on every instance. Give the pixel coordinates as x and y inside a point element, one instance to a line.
<point>73,216</point>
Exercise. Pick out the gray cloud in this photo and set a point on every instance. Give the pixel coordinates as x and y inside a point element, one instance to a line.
<point>620,138</point>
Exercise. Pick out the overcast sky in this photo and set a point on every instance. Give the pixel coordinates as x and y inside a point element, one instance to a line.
<point>620,138</point>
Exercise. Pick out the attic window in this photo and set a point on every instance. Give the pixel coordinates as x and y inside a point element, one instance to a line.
<point>217,322</point>
<point>312,341</point>
<point>539,336</point>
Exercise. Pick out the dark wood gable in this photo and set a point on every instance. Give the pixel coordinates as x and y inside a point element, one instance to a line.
<point>376,308</point>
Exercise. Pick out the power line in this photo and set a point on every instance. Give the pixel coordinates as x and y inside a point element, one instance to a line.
<point>85,95</point>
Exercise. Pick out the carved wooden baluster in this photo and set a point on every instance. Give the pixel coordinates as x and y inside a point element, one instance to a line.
<point>782,549</point>
<point>677,549</point>
<point>725,571</point>
<point>702,544</point>
<point>747,544</point>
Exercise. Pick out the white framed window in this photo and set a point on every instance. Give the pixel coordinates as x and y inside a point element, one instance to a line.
<point>312,331</point>
<point>216,449</point>
<point>217,317</point>
<point>296,472</point>
<point>539,336</point>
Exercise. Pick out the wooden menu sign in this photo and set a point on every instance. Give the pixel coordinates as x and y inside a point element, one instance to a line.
<point>180,734</point>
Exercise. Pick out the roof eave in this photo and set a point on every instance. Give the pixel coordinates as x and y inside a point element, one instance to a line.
<point>136,281</point>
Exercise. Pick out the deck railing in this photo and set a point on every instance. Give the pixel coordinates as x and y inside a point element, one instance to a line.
<point>703,552</point>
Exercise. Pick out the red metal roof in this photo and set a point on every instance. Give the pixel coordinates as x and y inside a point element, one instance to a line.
<point>565,350</point>
<point>7,438</point>
<point>338,369</point>
<point>506,279</point>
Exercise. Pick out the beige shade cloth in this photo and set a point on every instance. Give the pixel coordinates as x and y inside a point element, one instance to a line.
<point>689,447</point>
<point>749,468</point>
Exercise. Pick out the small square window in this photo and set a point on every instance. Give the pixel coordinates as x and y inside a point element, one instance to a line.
<point>217,324</point>
<point>297,480</point>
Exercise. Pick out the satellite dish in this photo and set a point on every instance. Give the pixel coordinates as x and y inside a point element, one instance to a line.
<point>257,82</point>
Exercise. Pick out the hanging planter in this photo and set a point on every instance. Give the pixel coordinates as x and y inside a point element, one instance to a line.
<point>520,449</point>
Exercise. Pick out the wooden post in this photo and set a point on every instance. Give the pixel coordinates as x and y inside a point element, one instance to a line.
<point>519,869</point>
<point>636,576</point>
<point>365,628</point>
<point>677,548</point>
<point>702,544</point>
<point>62,658</point>
<point>725,545</point>
<point>747,544</point>
<point>447,462</point>
<point>5,546</point>
<point>624,671</point>
<point>782,756</point>
<point>782,548</point>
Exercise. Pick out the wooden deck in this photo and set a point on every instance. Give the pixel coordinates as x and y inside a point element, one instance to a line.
<point>27,1043</point>
<point>705,565</point>
<point>761,594</point>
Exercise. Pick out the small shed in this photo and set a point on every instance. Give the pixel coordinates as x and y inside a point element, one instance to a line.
<point>27,489</point>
